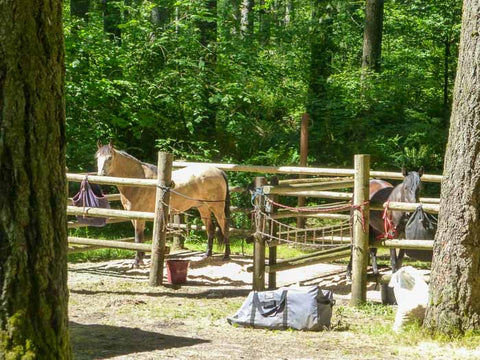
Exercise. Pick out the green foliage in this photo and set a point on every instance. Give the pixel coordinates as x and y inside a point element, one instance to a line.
<point>158,85</point>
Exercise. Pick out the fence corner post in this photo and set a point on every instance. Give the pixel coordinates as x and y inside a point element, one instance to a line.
<point>162,199</point>
<point>360,229</point>
<point>258,282</point>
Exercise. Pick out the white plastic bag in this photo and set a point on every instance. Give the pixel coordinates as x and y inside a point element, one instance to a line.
<point>411,293</point>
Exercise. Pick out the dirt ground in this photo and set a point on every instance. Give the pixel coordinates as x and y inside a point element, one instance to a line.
<point>115,314</point>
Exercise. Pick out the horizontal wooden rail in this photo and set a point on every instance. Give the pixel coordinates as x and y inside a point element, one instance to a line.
<point>287,189</point>
<point>76,225</point>
<point>322,194</point>
<point>403,244</point>
<point>82,248</point>
<point>305,171</point>
<point>113,213</point>
<point>110,244</point>
<point>304,180</point>
<point>429,208</point>
<point>111,180</point>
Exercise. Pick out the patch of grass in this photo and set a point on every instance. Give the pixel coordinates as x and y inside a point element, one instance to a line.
<point>100,255</point>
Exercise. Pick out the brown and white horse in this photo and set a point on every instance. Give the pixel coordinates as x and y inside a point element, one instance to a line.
<point>199,186</point>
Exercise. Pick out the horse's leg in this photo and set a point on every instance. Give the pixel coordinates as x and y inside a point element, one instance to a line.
<point>401,254</point>
<point>210,227</point>
<point>349,266</point>
<point>373,255</point>
<point>139,230</point>
<point>393,260</point>
<point>219,212</point>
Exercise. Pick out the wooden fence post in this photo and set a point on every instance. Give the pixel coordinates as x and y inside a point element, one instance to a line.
<point>272,250</point>
<point>360,229</point>
<point>259,244</point>
<point>303,161</point>
<point>164,179</point>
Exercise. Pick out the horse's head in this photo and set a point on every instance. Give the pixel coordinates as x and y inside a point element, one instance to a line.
<point>104,156</point>
<point>411,185</point>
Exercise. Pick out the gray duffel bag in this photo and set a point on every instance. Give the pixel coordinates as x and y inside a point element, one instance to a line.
<point>300,308</point>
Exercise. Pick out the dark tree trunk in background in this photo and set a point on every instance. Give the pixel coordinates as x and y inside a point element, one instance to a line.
<point>372,36</point>
<point>161,14</point>
<point>246,20</point>
<point>265,20</point>
<point>206,127</point>
<point>455,280</point>
<point>112,17</point>
<point>320,69</point>
<point>79,9</point>
<point>289,14</point>
<point>33,226</point>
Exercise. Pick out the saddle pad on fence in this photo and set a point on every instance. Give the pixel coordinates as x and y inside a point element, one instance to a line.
<point>90,195</point>
<point>420,226</point>
<point>300,308</point>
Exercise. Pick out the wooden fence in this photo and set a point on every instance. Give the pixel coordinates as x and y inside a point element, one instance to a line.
<point>308,187</point>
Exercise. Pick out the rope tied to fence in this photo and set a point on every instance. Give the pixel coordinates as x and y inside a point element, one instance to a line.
<point>360,207</point>
<point>389,228</point>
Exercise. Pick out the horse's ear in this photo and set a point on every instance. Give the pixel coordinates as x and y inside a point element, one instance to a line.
<point>110,144</point>
<point>404,171</point>
<point>99,144</point>
<point>420,171</point>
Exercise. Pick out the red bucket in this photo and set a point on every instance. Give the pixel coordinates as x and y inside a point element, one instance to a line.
<point>177,271</point>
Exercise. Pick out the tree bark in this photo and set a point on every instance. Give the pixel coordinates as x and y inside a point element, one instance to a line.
<point>246,20</point>
<point>455,280</point>
<point>372,36</point>
<point>33,227</point>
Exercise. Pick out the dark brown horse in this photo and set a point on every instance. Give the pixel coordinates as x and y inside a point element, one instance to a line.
<point>380,192</point>
<point>203,187</point>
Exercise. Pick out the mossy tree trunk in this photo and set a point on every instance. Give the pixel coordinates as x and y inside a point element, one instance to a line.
<point>454,306</point>
<point>33,232</point>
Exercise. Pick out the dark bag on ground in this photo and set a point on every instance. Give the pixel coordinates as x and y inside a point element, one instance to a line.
<point>420,226</point>
<point>300,308</point>
<point>90,195</point>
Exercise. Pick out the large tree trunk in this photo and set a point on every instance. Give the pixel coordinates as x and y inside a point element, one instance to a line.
<point>33,230</point>
<point>372,35</point>
<point>455,280</point>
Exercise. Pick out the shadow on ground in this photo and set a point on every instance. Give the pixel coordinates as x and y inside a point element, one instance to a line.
<point>92,341</point>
